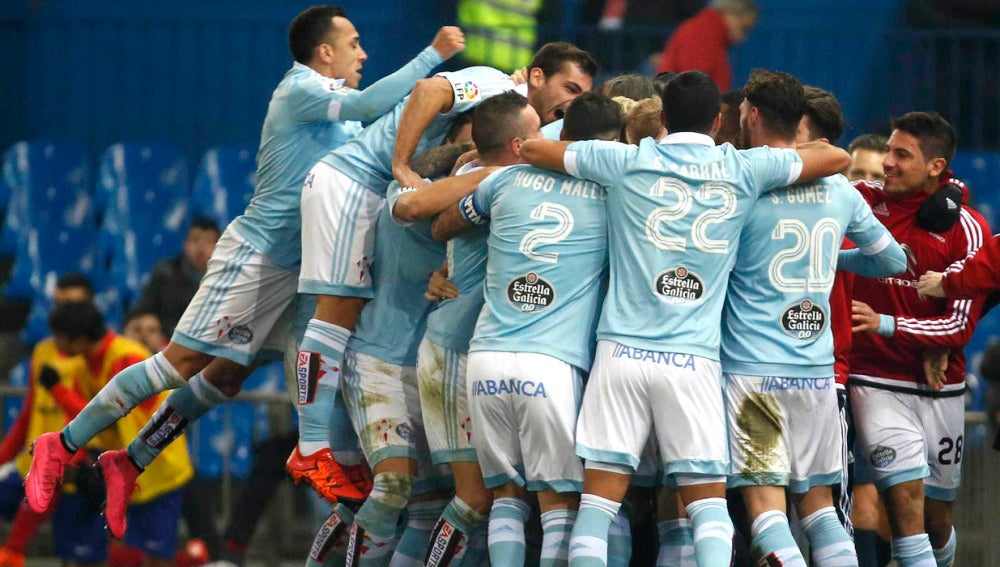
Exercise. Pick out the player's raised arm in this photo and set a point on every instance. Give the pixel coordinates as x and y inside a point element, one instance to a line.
<point>429,200</point>
<point>429,98</point>
<point>547,154</point>
<point>820,159</point>
<point>385,93</point>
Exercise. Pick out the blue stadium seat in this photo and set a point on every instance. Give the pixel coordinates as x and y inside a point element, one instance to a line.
<point>980,171</point>
<point>12,405</point>
<point>225,183</point>
<point>142,198</point>
<point>142,187</point>
<point>215,439</point>
<point>48,184</point>
<point>44,254</point>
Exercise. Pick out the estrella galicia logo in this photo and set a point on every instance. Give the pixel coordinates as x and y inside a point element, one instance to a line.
<point>882,456</point>
<point>804,320</point>
<point>530,293</point>
<point>679,285</point>
<point>240,334</point>
<point>404,431</point>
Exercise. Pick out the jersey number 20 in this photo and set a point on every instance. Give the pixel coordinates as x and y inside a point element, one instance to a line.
<point>825,233</point>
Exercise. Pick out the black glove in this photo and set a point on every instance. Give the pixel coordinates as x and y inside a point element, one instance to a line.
<point>939,212</point>
<point>48,377</point>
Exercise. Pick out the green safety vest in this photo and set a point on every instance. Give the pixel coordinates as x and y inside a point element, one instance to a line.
<point>499,33</point>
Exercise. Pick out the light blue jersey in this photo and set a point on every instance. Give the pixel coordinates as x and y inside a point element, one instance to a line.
<point>553,130</point>
<point>309,115</point>
<point>451,325</point>
<point>776,321</point>
<point>675,211</point>
<point>547,261</point>
<point>367,159</point>
<point>392,324</point>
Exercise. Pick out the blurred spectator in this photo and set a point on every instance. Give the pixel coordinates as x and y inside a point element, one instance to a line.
<point>144,328</point>
<point>499,33</point>
<point>702,42</point>
<point>867,152</point>
<point>729,129</point>
<point>172,283</point>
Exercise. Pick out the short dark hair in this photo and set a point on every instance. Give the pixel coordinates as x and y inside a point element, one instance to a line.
<point>661,80</point>
<point>592,116</point>
<point>826,120</point>
<point>75,279</point>
<point>936,136</point>
<point>553,56</point>
<point>137,312</point>
<point>690,103</point>
<point>635,87</point>
<point>204,223</point>
<point>77,319</point>
<point>873,142</point>
<point>457,124</point>
<point>733,98</point>
<point>496,121</point>
<point>309,29</point>
<point>780,99</point>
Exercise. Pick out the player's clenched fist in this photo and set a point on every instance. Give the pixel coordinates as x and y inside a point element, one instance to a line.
<point>448,41</point>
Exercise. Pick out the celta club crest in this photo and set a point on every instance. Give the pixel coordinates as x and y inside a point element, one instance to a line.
<point>222,327</point>
<point>384,427</point>
<point>467,428</point>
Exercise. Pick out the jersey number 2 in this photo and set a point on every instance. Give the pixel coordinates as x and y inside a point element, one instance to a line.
<point>542,236</point>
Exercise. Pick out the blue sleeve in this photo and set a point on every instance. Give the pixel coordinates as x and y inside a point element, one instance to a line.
<point>476,206</point>
<point>878,254</point>
<point>318,100</point>
<point>473,85</point>
<point>772,168</point>
<point>599,161</point>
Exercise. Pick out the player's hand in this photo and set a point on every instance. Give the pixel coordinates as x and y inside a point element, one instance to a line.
<point>48,377</point>
<point>448,41</point>
<point>520,76</point>
<point>408,178</point>
<point>864,318</point>
<point>440,287</point>
<point>464,159</point>
<point>935,366</point>
<point>930,285</point>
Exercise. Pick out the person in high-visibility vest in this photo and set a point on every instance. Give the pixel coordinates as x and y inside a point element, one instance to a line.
<point>499,33</point>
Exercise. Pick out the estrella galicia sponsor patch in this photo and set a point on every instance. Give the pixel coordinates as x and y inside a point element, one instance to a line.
<point>679,285</point>
<point>530,293</point>
<point>307,375</point>
<point>804,320</point>
<point>240,334</point>
<point>882,456</point>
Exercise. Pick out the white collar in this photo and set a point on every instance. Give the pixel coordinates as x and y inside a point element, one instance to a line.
<point>337,83</point>
<point>688,138</point>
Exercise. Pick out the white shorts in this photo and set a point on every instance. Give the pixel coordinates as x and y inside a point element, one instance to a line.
<point>244,304</point>
<point>783,432</point>
<point>384,406</point>
<point>338,234</point>
<point>524,408</point>
<point>631,391</point>
<point>906,437</point>
<point>444,403</point>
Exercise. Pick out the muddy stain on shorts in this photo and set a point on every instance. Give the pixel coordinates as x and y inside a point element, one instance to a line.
<point>760,431</point>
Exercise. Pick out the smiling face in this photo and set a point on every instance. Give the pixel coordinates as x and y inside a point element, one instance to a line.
<point>906,168</point>
<point>343,51</point>
<point>552,95</point>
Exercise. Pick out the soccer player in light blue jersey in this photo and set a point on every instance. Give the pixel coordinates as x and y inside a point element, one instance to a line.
<point>777,345</point>
<point>245,304</point>
<point>675,210</point>
<point>534,338</point>
<point>400,272</point>
<point>345,192</point>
